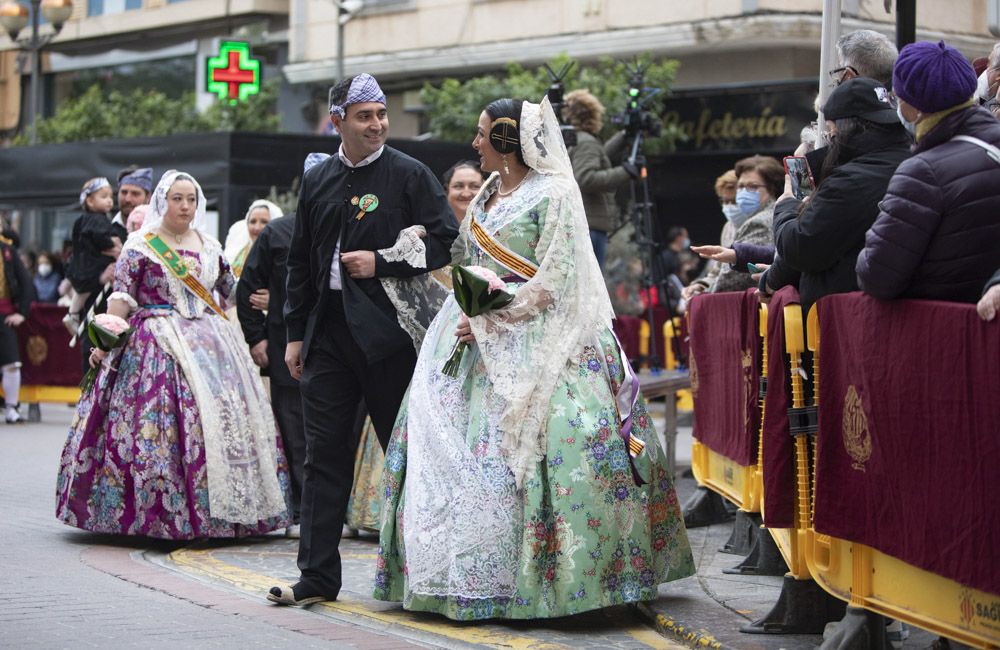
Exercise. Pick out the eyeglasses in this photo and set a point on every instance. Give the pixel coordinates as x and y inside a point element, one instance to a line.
<point>753,187</point>
<point>838,74</point>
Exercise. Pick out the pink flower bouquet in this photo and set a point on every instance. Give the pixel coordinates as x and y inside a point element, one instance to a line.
<point>477,291</point>
<point>106,332</point>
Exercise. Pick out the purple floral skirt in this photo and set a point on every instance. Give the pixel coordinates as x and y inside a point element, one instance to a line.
<point>134,461</point>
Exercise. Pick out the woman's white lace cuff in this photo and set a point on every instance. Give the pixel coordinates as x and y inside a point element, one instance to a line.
<point>124,297</point>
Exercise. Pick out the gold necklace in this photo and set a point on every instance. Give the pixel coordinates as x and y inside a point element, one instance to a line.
<point>177,238</point>
<point>500,192</point>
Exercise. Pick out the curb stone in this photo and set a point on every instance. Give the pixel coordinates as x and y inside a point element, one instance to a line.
<point>677,631</point>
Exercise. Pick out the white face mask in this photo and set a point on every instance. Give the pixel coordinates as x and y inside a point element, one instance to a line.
<point>731,211</point>
<point>44,270</point>
<point>911,127</point>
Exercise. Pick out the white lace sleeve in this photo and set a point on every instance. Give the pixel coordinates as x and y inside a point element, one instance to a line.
<point>124,297</point>
<point>409,248</point>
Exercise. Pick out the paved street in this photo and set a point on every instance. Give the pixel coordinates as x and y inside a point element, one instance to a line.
<point>64,588</point>
<point>59,590</point>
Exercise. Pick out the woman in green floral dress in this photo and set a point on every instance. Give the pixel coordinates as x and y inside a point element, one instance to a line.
<point>532,484</point>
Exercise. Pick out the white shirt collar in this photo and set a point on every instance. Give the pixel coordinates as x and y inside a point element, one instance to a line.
<point>367,161</point>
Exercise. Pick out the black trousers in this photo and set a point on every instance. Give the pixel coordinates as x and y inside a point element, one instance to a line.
<point>286,402</point>
<point>335,379</point>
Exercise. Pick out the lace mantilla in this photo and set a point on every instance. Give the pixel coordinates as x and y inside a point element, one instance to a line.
<point>526,345</point>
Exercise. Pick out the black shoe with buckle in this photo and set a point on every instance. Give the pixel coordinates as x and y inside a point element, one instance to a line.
<point>287,596</point>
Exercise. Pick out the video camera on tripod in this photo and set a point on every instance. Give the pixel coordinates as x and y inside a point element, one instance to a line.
<point>555,95</point>
<point>636,118</point>
<point>639,123</point>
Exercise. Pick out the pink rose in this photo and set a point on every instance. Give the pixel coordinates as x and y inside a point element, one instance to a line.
<point>114,324</point>
<point>495,282</point>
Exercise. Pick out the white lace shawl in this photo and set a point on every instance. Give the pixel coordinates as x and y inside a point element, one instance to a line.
<point>526,346</point>
<point>236,421</point>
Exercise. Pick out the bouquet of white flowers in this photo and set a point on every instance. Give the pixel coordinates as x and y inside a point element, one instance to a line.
<point>106,332</point>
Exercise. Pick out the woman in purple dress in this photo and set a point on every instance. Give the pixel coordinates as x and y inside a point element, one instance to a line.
<point>176,439</point>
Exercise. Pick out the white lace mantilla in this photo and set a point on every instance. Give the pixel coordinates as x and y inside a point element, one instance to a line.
<point>463,512</point>
<point>527,345</point>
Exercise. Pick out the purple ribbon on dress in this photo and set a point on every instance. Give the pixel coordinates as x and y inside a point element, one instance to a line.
<point>625,400</point>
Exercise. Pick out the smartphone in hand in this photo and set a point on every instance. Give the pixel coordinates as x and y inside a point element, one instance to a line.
<point>753,268</point>
<point>797,168</point>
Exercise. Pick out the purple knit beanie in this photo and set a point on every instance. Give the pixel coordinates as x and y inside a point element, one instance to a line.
<point>932,76</point>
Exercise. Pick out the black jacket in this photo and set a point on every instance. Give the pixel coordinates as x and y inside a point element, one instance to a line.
<point>993,281</point>
<point>408,194</point>
<point>264,268</point>
<point>19,285</point>
<point>92,233</point>
<point>822,243</point>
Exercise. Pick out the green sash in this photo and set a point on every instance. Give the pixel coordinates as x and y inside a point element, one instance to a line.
<point>176,265</point>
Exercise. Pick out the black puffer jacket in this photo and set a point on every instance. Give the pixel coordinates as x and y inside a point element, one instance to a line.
<point>938,234</point>
<point>822,243</point>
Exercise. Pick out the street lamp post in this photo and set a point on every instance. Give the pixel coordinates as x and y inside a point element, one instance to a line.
<point>13,18</point>
<point>346,9</point>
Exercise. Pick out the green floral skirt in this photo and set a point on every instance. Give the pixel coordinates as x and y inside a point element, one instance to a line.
<point>590,537</point>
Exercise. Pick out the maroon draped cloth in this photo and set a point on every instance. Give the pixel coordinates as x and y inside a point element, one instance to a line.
<point>627,330</point>
<point>46,358</point>
<point>725,371</point>
<point>779,447</point>
<point>909,433</point>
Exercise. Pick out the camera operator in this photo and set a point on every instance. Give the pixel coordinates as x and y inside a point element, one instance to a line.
<point>593,169</point>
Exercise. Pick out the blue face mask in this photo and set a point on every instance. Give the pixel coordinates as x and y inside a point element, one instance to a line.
<point>731,211</point>
<point>748,200</point>
<point>911,127</point>
<point>687,243</point>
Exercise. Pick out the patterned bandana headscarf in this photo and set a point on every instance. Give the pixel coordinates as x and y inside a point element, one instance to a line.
<point>140,178</point>
<point>92,187</point>
<point>363,89</point>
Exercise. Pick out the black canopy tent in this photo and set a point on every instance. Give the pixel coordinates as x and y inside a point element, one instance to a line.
<point>43,182</point>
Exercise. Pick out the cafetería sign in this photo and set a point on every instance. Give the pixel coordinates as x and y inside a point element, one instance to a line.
<point>741,119</point>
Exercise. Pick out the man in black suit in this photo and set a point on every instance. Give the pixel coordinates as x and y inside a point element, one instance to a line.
<point>344,339</point>
<point>262,286</point>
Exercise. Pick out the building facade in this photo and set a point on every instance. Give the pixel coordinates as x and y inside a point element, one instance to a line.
<point>749,69</point>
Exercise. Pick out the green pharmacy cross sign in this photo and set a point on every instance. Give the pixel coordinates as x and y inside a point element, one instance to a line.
<point>233,75</point>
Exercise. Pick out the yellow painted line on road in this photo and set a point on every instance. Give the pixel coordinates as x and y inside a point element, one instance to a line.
<point>201,562</point>
<point>353,556</point>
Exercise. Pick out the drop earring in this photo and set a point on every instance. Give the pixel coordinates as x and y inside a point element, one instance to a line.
<point>506,169</point>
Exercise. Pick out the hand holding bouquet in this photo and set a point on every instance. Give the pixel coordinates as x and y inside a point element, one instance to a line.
<point>477,291</point>
<point>106,332</point>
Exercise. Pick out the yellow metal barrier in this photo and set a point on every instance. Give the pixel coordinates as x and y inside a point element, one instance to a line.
<point>790,540</point>
<point>726,477</point>
<point>50,394</point>
<point>865,577</point>
<point>685,401</point>
<point>644,344</point>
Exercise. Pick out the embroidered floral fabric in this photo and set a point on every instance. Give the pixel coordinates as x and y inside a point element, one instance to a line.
<point>459,536</point>
<point>180,442</point>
